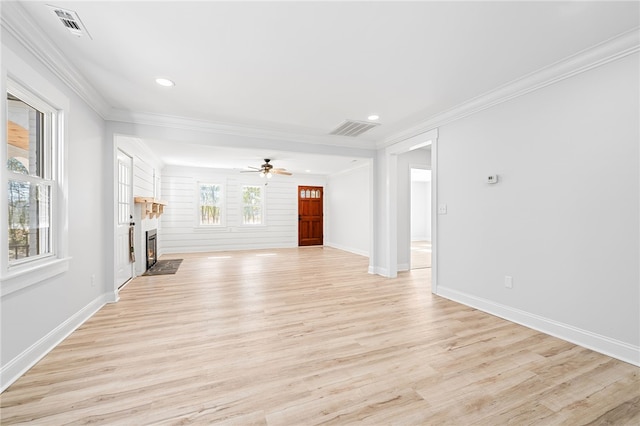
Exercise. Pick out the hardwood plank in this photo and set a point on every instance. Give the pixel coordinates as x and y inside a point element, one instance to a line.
<point>306,336</point>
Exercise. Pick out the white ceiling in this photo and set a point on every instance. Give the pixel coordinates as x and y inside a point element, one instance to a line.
<point>304,67</point>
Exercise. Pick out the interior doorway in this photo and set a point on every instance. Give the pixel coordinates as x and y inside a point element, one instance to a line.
<point>420,218</point>
<point>397,206</point>
<point>310,216</point>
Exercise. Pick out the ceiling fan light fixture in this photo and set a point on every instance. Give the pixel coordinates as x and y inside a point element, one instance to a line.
<point>269,175</point>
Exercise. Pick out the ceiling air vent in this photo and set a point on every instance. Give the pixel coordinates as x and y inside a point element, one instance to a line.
<point>353,128</point>
<point>71,21</point>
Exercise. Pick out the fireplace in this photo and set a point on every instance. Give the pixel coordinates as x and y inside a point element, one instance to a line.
<point>152,248</point>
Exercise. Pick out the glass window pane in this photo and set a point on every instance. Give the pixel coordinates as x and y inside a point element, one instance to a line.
<point>29,219</point>
<point>210,204</point>
<point>25,138</point>
<point>251,205</point>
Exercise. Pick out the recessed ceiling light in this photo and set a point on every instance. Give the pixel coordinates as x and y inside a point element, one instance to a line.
<point>308,171</point>
<point>165,82</point>
<point>373,117</point>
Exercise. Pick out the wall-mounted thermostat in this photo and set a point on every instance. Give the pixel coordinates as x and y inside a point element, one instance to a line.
<point>492,179</point>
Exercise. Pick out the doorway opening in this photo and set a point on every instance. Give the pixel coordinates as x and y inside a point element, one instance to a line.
<point>397,203</point>
<point>420,218</point>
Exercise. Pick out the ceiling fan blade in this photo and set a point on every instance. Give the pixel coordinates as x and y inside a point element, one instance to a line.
<point>281,172</point>
<point>254,168</point>
<point>249,171</point>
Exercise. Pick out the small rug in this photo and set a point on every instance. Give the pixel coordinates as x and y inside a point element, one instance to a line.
<point>164,267</point>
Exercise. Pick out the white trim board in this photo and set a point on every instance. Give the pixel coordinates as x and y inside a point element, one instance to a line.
<point>19,365</point>
<point>347,249</point>
<point>602,344</point>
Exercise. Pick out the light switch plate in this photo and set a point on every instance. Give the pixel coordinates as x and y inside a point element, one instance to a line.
<point>508,281</point>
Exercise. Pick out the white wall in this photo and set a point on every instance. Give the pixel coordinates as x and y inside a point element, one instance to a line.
<point>180,233</point>
<point>36,318</point>
<point>348,205</point>
<point>564,219</point>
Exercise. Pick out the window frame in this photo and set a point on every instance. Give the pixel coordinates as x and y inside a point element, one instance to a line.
<point>33,89</point>
<point>263,205</point>
<point>48,165</point>
<point>223,206</point>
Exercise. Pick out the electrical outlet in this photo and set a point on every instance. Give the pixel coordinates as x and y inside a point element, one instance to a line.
<point>442,209</point>
<point>93,280</point>
<point>508,281</point>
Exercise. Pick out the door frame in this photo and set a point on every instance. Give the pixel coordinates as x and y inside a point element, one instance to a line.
<point>322,191</point>
<point>391,154</point>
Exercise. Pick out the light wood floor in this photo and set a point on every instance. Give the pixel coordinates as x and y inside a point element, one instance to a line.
<point>304,337</point>
<point>420,254</point>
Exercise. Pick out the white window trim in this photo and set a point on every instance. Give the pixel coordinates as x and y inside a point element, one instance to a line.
<point>223,209</point>
<point>264,206</point>
<point>25,83</point>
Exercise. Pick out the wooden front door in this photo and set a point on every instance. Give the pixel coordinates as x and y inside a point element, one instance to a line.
<point>310,226</point>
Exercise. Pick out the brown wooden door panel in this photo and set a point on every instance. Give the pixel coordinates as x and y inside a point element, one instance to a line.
<point>310,215</point>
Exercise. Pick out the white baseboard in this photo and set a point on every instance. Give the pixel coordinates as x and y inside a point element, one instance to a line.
<point>11,371</point>
<point>377,270</point>
<point>605,345</point>
<point>349,249</point>
<point>403,267</point>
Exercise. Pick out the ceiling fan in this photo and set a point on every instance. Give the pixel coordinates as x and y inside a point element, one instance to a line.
<point>267,170</point>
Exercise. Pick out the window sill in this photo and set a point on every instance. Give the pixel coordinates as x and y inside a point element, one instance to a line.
<point>28,276</point>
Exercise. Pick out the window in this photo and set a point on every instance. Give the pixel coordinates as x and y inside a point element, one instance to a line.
<point>252,205</point>
<point>33,189</point>
<point>30,178</point>
<point>211,204</point>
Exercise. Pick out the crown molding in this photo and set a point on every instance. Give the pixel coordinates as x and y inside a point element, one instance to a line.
<point>205,126</point>
<point>610,50</point>
<point>19,25</point>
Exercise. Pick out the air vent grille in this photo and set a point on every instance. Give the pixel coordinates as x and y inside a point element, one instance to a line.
<point>71,21</point>
<point>353,128</point>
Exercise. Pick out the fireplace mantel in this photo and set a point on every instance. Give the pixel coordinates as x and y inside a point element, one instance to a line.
<point>152,206</point>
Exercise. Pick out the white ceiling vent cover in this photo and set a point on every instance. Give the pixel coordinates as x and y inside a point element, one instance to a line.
<point>71,21</point>
<point>353,128</point>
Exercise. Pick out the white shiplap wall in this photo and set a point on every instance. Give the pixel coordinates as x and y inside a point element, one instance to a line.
<point>181,233</point>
